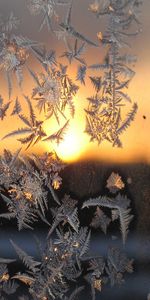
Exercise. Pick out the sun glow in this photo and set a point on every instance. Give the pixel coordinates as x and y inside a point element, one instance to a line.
<point>75,141</point>
<point>69,149</point>
<point>73,145</point>
<point>76,145</point>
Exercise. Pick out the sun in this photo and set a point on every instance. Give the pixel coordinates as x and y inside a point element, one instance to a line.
<point>74,144</point>
<point>72,147</point>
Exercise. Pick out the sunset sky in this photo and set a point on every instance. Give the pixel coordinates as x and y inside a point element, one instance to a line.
<point>76,145</point>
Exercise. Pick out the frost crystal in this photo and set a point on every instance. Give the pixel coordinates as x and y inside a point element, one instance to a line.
<point>104,113</point>
<point>114,183</point>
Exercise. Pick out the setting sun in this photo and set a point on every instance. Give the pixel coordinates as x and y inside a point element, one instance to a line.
<point>71,147</point>
<point>74,142</point>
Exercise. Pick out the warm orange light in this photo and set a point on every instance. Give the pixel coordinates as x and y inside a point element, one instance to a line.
<point>71,147</point>
<point>74,143</point>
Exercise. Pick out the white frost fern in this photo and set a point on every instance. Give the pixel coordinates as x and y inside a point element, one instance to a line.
<point>121,203</point>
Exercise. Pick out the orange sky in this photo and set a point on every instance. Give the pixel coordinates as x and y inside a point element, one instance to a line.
<point>76,145</point>
<point>136,141</point>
